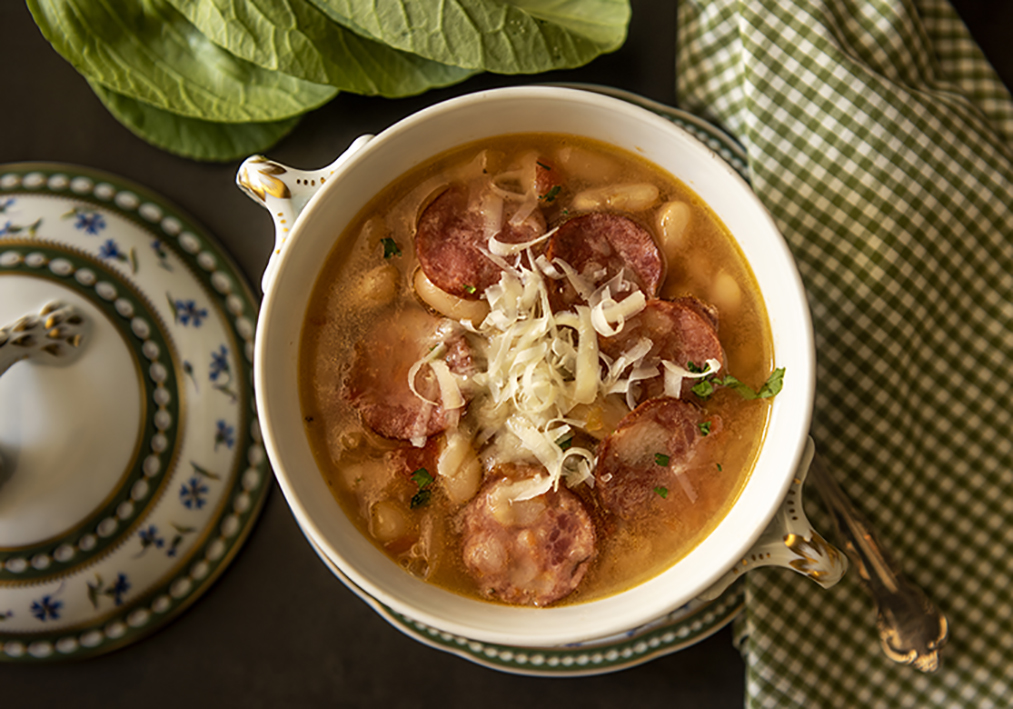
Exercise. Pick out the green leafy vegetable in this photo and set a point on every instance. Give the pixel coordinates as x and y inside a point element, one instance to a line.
<point>705,427</point>
<point>294,37</point>
<point>146,50</point>
<point>470,289</point>
<point>192,137</point>
<point>703,388</point>
<point>771,387</point>
<point>423,479</point>
<point>551,194</point>
<point>390,247</point>
<point>517,37</point>
<point>662,492</point>
<point>217,79</point>
<point>661,459</point>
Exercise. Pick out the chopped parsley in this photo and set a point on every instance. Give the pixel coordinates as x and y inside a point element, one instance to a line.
<point>421,498</point>
<point>469,289</point>
<point>551,194</point>
<point>662,491</point>
<point>564,442</point>
<point>661,459</point>
<point>390,247</point>
<point>423,479</point>
<point>705,427</point>
<point>703,388</point>
<point>719,467</point>
<point>771,387</point>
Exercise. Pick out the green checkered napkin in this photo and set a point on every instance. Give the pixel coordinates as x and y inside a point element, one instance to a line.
<point>882,142</point>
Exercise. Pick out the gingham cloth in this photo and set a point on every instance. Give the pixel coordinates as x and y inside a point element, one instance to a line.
<point>882,143</point>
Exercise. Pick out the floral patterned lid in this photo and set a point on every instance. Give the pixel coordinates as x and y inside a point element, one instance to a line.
<point>131,476</point>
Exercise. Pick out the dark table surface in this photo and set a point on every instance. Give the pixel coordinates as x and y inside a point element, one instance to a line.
<point>277,629</point>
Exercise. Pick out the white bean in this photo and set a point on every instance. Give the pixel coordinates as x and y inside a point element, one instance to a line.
<point>378,286</point>
<point>586,166</point>
<point>630,197</point>
<point>388,520</point>
<point>372,232</point>
<point>672,219</point>
<point>725,292</point>
<point>459,469</point>
<point>357,475</point>
<point>449,305</point>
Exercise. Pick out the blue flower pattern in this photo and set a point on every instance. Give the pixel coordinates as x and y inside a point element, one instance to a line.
<point>219,363</point>
<point>162,253</point>
<point>192,494</point>
<point>88,221</point>
<point>110,250</point>
<point>149,538</point>
<point>220,373</point>
<point>46,608</point>
<point>224,433</point>
<point>118,589</point>
<point>187,312</point>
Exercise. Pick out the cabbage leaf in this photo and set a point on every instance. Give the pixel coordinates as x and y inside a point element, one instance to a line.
<point>294,37</point>
<point>192,137</point>
<point>501,36</point>
<point>146,50</point>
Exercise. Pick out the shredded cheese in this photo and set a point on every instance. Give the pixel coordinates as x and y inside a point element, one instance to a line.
<point>540,365</point>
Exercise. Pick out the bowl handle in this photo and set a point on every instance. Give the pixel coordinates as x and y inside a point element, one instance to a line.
<point>284,192</point>
<point>790,541</point>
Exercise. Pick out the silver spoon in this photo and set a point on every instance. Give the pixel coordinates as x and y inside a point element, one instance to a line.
<point>912,629</point>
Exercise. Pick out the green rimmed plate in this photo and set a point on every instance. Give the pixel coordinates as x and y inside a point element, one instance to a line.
<point>132,475</point>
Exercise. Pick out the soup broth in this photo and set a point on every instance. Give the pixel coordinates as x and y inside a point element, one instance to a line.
<point>504,370</point>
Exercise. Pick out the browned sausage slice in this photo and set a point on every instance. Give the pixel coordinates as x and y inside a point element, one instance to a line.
<point>450,241</point>
<point>681,331</point>
<point>598,246</point>
<point>531,552</point>
<point>639,464</point>
<point>377,381</point>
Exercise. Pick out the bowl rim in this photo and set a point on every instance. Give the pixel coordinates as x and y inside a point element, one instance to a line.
<point>763,507</point>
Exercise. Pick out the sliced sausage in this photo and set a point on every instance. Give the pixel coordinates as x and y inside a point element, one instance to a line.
<point>531,552</point>
<point>642,463</point>
<point>598,246</point>
<point>377,381</point>
<point>681,331</point>
<point>450,240</point>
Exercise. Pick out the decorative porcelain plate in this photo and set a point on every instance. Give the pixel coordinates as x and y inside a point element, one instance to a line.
<point>679,629</point>
<point>131,469</point>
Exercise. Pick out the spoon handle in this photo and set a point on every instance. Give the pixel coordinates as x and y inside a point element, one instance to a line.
<point>912,629</point>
